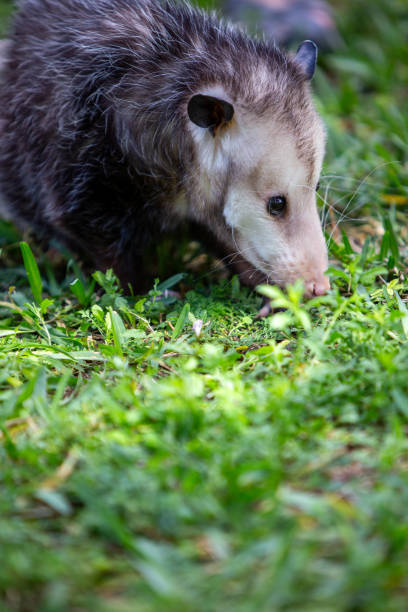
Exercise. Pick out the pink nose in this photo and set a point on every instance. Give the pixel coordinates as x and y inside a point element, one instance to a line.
<point>320,287</point>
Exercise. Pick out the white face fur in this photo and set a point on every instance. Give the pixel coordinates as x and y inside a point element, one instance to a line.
<point>267,164</point>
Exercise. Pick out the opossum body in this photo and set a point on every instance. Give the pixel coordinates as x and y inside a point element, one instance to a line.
<point>119,119</point>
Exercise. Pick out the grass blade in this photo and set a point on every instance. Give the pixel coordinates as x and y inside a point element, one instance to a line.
<point>33,273</point>
<point>78,290</point>
<point>181,321</point>
<point>404,311</point>
<point>118,329</point>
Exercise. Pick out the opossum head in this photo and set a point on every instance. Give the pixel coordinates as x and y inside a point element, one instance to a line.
<point>259,167</point>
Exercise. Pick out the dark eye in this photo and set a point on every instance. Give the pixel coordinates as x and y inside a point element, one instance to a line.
<point>276,205</point>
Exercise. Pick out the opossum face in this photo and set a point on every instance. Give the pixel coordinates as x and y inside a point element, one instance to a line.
<point>266,171</point>
<point>270,203</point>
<point>270,206</point>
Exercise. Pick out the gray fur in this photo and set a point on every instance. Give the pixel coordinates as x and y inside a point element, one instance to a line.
<point>95,148</point>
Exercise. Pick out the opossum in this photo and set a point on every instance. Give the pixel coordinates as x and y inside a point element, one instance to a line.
<point>121,119</point>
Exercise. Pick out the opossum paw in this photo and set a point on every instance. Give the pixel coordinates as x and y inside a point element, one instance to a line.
<point>265,311</point>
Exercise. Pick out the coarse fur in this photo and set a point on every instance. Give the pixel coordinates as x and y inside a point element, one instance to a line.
<point>98,150</point>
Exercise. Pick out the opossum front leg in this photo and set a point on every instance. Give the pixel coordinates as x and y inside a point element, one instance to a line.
<point>265,311</point>
<point>252,278</point>
<point>128,267</point>
<point>103,245</point>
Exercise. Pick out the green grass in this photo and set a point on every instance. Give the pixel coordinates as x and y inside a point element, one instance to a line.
<point>5,12</point>
<point>260,466</point>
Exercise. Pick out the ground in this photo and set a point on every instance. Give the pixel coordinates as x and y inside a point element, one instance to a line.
<point>252,465</point>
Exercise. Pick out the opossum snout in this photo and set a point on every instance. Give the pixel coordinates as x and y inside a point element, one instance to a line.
<point>317,287</point>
